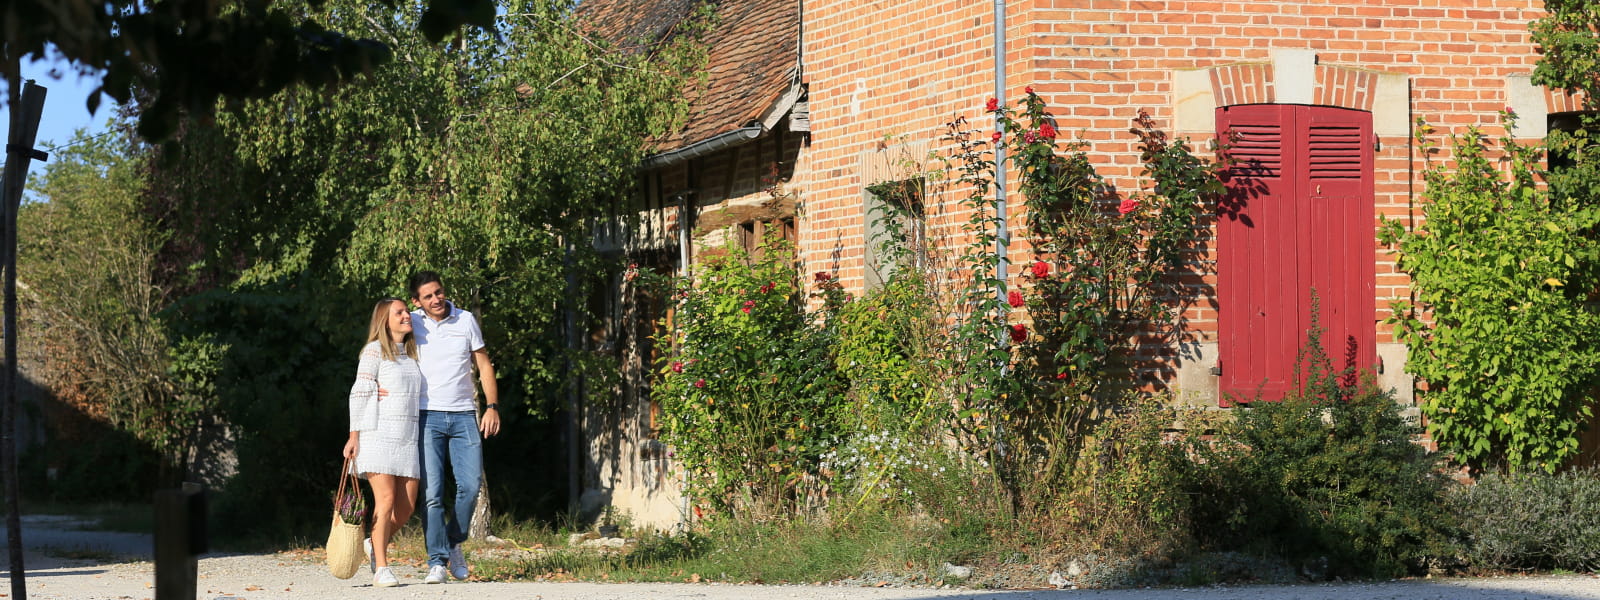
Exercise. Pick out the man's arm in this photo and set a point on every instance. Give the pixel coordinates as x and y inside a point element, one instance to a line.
<point>490,424</point>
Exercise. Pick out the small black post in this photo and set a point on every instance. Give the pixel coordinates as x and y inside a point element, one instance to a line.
<point>180,540</point>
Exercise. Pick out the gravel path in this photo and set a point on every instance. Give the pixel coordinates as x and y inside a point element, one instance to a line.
<point>68,564</point>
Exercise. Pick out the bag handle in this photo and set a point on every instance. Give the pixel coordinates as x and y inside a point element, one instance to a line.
<point>345,477</point>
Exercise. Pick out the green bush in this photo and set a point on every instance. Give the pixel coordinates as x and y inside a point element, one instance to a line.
<point>1504,272</point>
<point>1531,520</point>
<point>749,394</point>
<point>1331,474</point>
<point>283,390</point>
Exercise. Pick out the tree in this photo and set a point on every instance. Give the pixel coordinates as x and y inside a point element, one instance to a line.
<point>86,258</point>
<point>185,54</point>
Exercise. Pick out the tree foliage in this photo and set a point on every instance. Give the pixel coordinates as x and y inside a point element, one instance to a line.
<point>88,290</point>
<point>478,159</point>
<point>183,55</point>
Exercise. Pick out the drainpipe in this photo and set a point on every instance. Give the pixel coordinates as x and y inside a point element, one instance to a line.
<point>685,516</point>
<point>1002,236</point>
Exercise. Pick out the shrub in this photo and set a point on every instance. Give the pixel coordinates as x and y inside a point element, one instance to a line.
<point>1531,520</point>
<point>1330,473</point>
<point>1504,274</point>
<point>750,393</point>
<point>1130,495</point>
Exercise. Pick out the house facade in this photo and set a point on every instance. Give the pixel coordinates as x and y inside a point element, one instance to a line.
<point>1319,98</point>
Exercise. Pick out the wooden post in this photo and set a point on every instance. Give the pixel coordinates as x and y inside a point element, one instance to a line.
<point>26,102</point>
<point>180,538</point>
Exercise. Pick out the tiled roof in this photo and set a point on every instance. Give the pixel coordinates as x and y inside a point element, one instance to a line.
<point>751,55</point>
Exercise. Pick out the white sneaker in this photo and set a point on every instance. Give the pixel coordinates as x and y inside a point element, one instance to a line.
<point>384,578</point>
<point>458,563</point>
<point>372,564</point>
<point>435,575</point>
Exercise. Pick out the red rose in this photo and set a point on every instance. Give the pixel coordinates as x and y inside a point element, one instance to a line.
<point>1040,269</point>
<point>823,276</point>
<point>996,137</point>
<point>1028,89</point>
<point>748,304</point>
<point>1510,112</point>
<point>1061,375</point>
<point>1047,131</point>
<point>1029,137</point>
<point>1014,298</point>
<point>699,383</point>
<point>992,106</point>
<point>1127,206</point>
<point>1019,333</point>
<point>677,367</point>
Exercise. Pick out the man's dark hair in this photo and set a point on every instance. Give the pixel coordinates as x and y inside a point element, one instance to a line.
<point>422,278</point>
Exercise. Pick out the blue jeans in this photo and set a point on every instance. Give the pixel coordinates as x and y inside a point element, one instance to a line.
<point>452,437</point>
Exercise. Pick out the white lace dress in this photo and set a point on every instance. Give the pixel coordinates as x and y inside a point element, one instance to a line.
<point>388,426</point>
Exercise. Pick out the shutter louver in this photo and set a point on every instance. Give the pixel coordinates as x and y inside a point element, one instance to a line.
<point>1257,150</point>
<point>1335,152</point>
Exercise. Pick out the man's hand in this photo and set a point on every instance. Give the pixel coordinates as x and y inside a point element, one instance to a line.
<point>490,423</point>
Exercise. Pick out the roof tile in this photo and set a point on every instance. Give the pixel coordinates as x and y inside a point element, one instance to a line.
<point>751,54</point>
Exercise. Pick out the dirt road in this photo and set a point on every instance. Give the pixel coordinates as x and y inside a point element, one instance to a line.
<point>69,564</point>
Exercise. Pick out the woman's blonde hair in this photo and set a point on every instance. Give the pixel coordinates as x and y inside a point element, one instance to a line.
<point>378,331</point>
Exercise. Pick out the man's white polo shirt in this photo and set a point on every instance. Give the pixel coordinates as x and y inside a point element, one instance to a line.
<point>445,356</point>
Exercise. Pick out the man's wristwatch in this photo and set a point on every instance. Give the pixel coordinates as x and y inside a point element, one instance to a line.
<point>494,406</point>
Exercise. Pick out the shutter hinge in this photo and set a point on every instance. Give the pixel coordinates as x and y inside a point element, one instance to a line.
<point>1380,366</point>
<point>1217,371</point>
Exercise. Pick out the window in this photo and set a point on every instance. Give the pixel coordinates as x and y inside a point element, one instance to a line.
<point>896,229</point>
<point>753,233</point>
<point>1571,135</point>
<point>1298,217</point>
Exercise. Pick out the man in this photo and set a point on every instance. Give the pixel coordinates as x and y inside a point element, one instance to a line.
<point>450,343</point>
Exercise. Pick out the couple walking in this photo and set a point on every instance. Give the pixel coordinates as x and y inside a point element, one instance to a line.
<point>414,395</point>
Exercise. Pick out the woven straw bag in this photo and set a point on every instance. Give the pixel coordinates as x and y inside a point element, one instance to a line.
<point>345,552</point>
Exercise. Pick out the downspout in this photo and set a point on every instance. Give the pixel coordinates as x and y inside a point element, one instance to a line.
<point>1002,237</point>
<point>685,239</point>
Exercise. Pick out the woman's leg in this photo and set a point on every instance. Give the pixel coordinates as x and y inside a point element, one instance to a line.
<point>385,491</point>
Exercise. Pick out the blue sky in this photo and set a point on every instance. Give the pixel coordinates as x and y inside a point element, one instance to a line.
<point>64,109</point>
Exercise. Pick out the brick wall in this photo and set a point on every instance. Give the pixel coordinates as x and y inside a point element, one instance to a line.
<point>903,69</point>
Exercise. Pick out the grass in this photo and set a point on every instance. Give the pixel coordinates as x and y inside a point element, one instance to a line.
<point>742,552</point>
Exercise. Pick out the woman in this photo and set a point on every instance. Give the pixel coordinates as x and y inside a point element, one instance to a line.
<point>383,431</point>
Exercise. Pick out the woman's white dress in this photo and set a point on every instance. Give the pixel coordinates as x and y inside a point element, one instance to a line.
<point>388,426</point>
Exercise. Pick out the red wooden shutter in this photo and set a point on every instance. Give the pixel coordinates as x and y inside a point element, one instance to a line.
<point>1338,186</point>
<point>1298,216</point>
<point>1253,315</point>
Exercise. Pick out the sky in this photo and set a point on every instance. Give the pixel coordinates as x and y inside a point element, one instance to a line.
<point>64,108</point>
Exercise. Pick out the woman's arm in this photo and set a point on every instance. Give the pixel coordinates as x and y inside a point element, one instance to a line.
<point>364,394</point>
